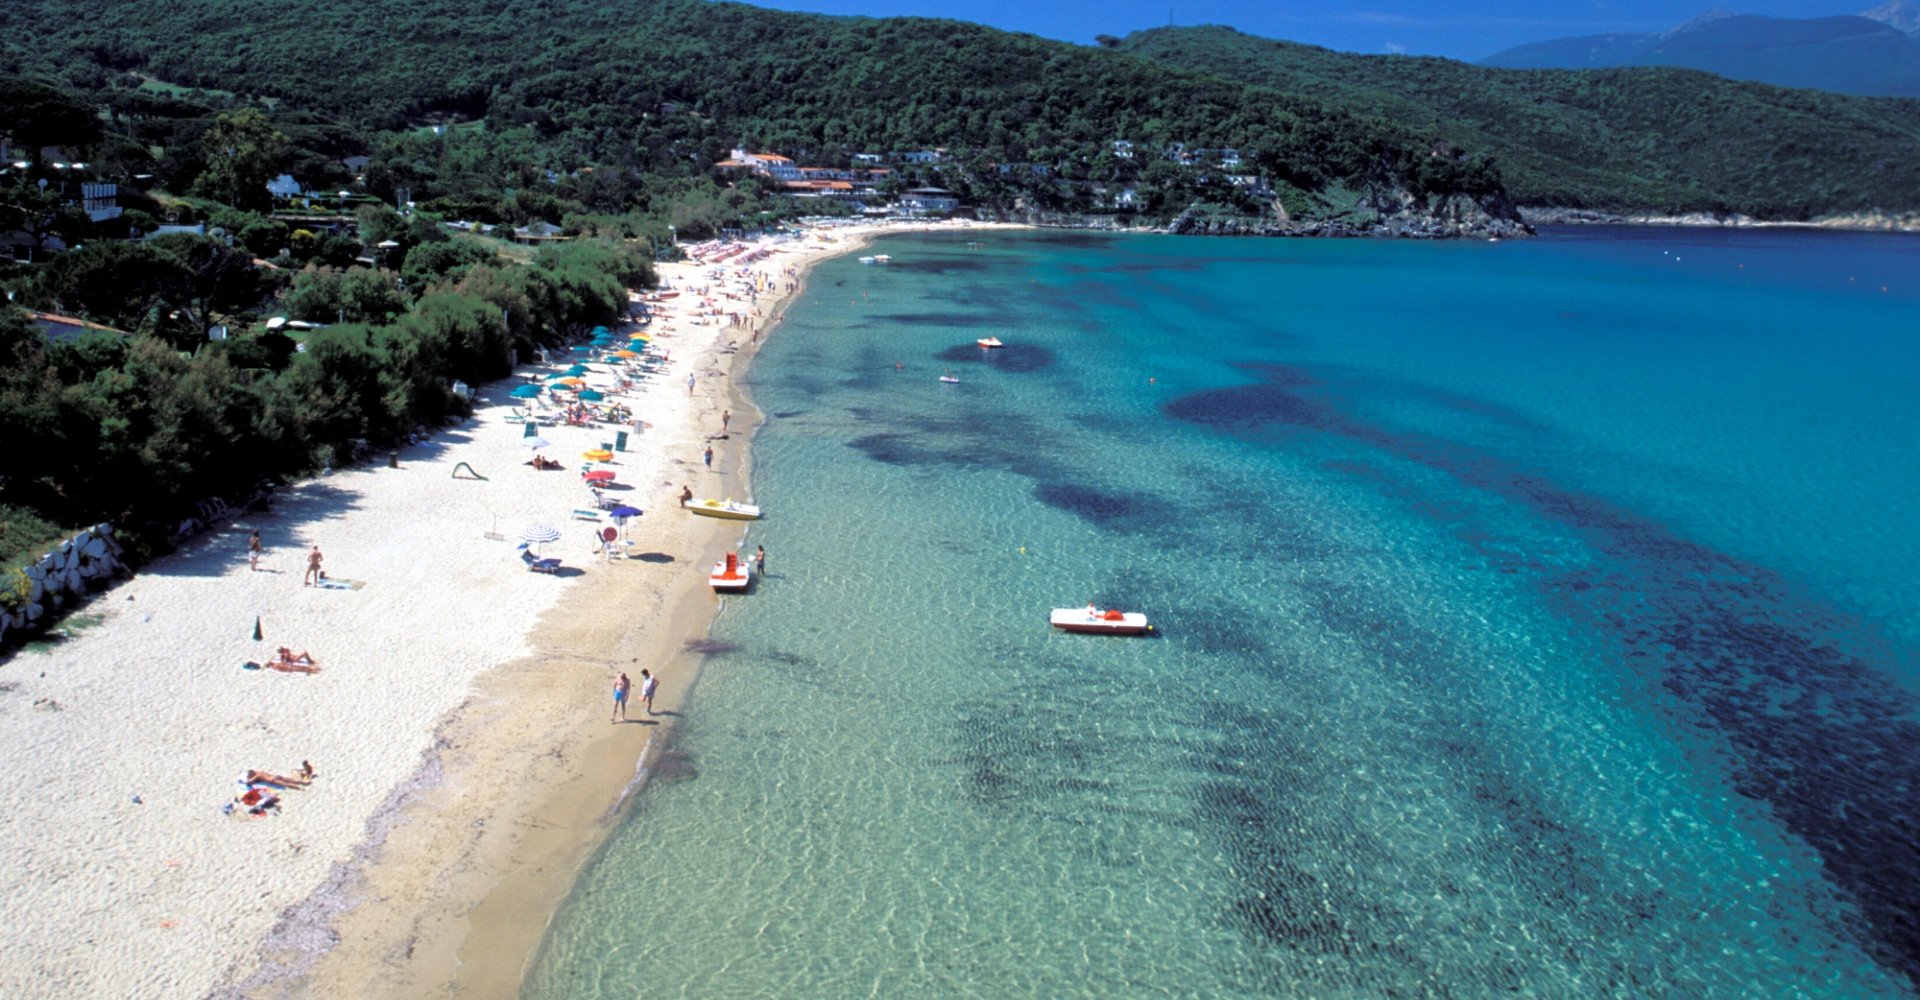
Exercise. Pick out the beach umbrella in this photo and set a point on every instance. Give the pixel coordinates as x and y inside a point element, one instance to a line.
<point>599,476</point>
<point>623,353</point>
<point>526,392</point>
<point>620,515</point>
<point>597,455</point>
<point>535,534</point>
<point>535,442</point>
<point>592,395</point>
<point>576,370</point>
<point>601,339</point>
<point>580,349</point>
<point>599,331</point>
<point>574,380</point>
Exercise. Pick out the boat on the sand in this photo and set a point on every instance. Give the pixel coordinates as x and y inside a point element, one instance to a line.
<point>1093,620</point>
<point>728,509</point>
<point>731,575</point>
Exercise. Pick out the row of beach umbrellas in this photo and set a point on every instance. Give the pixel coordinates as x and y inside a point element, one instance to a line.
<point>537,534</point>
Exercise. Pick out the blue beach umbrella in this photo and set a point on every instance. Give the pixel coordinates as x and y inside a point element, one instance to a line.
<point>526,392</point>
<point>602,338</point>
<point>620,515</point>
<point>577,370</point>
<point>592,396</point>
<point>599,331</point>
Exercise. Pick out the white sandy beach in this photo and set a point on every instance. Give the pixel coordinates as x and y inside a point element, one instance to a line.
<point>454,686</point>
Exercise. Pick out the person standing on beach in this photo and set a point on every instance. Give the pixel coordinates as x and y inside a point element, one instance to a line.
<point>621,686</point>
<point>253,550</point>
<point>709,456</point>
<point>689,385</point>
<point>648,683</point>
<point>314,573</point>
<point>725,415</point>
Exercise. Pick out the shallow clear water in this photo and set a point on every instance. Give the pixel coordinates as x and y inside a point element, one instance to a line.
<point>1536,618</point>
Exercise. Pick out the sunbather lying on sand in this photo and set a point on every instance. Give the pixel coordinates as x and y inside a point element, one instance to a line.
<point>253,777</point>
<point>289,656</point>
<point>292,668</point>
<point>255,801</point>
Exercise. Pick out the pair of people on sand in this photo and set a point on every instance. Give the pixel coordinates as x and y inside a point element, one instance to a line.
<point>623,684</point>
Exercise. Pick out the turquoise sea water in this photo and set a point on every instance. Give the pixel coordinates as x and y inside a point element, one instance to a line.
<point>1538,618</point>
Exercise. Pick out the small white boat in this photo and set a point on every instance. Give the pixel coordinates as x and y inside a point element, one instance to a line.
<point>868,260</point>
<point>881,258</point>
<point>1094,620</point>
<point>731,575</point>
<point>950,378</point>
<point>989,342</point>
<point>726,509</point>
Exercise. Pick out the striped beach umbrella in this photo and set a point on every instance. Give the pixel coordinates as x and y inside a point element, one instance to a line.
<point>537,534</point>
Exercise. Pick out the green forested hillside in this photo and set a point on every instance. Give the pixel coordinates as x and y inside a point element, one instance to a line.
<point>665,84</point>
<point>1670,140</point>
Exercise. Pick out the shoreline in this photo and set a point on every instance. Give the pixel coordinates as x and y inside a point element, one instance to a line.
<point>458,898</point>
<point>1859,222</point>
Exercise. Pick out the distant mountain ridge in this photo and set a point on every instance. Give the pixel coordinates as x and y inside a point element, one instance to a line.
<point>1875,53</point>
<point>1616,140</point>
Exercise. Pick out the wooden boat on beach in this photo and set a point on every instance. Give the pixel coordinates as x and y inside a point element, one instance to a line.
<point>724,509</point>
<point>1093,620</point>
<point>731,575</point>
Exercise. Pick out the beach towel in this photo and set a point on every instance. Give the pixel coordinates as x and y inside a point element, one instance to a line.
<point>336,583</point>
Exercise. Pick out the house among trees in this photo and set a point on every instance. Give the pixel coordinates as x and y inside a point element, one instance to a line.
<point>927,201</point>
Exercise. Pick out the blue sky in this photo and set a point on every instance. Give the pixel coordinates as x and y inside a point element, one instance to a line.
<point>1463,29</point>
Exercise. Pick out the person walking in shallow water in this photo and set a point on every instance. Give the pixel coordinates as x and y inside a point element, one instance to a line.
<point>621,686</point>
<point>760,559</point>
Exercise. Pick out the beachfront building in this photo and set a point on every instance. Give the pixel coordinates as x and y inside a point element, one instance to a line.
<point>927,201</point>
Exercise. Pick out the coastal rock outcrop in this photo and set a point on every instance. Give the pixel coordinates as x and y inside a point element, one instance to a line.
<point>1397,215</point>
<point>68,573</point>
<point>1873,221</point>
